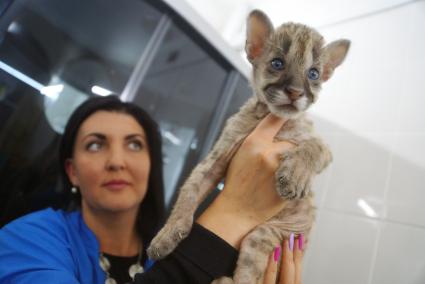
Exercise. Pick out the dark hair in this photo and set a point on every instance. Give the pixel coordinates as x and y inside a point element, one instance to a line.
<point>151,211</point>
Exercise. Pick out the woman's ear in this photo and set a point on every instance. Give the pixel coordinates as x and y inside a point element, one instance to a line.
<point>71,172</point>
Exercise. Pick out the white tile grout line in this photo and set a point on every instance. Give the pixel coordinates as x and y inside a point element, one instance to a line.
<point>377,219</point>
<point>321,203</point>
<point>375,253</point>
<point>313,234</point>
<point>384,219</point>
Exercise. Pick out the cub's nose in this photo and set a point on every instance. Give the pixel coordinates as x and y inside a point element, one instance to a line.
<point>293,93</point>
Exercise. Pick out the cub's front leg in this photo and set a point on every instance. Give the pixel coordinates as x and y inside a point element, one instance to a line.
<point>299,165</point>
<point>202,180</point>
<point>200,183</point>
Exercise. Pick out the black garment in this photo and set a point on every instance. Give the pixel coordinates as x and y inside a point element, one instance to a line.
<point>200,258</point>
<point>120,266</point>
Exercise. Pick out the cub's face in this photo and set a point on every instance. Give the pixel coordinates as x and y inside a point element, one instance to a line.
<point>288,74</point>
<point>289,63</point>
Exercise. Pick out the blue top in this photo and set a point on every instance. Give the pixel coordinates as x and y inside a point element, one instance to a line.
<point>49,246</point>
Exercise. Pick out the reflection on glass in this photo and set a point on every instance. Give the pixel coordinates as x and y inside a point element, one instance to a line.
<point>53,55</point>
<point>181,90</point>
<point>176,142</point>
<point>87,45</point>
<point>58,107</point>
<point>242,93</point>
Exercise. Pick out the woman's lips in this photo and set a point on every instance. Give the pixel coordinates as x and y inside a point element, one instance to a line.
<point>116,185</point>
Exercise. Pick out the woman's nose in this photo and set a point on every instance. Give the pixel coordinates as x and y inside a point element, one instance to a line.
<point>115,160</point>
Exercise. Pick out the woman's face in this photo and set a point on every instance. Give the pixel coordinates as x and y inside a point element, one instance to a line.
<point>111,162</point>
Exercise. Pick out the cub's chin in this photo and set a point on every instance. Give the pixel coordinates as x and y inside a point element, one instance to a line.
<point>286,111</point>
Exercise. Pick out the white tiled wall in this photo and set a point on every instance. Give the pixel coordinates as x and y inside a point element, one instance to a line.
<point>400,255</point>
<point>371,219</point>
<point>370,226</point>
<point>334,255</point>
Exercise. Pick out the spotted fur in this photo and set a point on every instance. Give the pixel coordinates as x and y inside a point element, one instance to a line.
<point>287,92</point>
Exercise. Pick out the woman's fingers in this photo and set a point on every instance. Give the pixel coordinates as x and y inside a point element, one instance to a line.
<point>291,264</point>
<point>298,258</point>
<point>261,144</point>
<point>271,271</point>
<point>287,270</point>
<point>268,127</point>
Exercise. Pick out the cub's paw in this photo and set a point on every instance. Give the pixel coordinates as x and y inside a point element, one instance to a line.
<point>223,280</point>
<point>169,237</point>
<point>293,177</point>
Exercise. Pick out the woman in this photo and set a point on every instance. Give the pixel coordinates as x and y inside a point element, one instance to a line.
<point>111,157</point>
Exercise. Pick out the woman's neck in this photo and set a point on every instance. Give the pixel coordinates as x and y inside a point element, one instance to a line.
<point>115,231</point>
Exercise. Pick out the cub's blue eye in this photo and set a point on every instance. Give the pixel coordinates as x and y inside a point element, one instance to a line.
<point>278,64</point>
<point>313,74</point>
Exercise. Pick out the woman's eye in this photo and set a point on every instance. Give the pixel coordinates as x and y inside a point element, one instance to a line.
<point>93,146</point>
<point>278,64</point>
<point>313,74</point>
<point>135,145</point>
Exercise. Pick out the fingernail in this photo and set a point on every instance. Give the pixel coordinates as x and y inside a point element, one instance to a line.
<point>276,255</point>
<point>291,242</point>
<point>301,241</point>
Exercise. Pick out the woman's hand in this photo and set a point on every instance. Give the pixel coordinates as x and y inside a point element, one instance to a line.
<point>250,183</point>
<point>291,265</point>
<point>249,197</point>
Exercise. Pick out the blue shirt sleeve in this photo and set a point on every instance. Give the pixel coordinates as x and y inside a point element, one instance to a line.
<point>36,249</point>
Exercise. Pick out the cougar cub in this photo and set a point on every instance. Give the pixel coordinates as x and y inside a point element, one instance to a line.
<point>289,66</point>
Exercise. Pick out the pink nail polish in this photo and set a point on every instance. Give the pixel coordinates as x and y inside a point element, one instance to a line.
<point>276,255</point>
<point>291,242</point>
<point>301,241</point>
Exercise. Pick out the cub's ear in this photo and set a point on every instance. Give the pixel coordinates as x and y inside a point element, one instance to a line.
<point>259,28</point>
<point>334,55</point>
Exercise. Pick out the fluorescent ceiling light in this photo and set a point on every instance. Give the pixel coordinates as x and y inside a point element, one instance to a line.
<point>21,76</point>
<point>52,91</point>
<point>49,91</point>
<point>101,91</point>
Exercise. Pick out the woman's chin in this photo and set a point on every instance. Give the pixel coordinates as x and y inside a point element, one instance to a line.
<point>119,204</point>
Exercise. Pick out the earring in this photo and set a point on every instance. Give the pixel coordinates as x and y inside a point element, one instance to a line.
<point>74,190</point>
